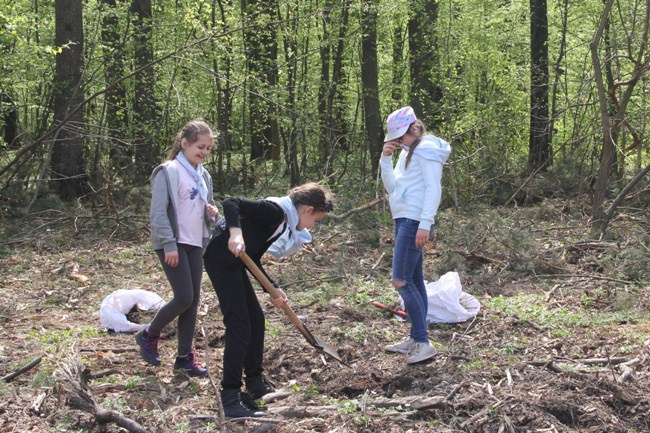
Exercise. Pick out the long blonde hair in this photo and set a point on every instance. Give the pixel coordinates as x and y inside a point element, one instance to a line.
<point>190,132</point>
<point>421,132</point>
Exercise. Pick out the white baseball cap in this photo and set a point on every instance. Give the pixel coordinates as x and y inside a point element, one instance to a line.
<point>398,123</point>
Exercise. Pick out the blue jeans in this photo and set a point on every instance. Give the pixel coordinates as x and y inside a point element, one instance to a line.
<point>407,267</point>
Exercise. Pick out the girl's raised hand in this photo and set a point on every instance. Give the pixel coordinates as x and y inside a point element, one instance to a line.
<point>389,148</point>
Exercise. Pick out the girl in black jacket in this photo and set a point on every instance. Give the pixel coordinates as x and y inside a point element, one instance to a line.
<point>278,225</point>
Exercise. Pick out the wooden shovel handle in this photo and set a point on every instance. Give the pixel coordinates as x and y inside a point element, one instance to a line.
<point>266,283</point>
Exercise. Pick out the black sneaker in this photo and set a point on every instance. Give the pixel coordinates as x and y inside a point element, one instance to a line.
<point>258,387</point>
<point>187,365</point>
<point>148,346</point>
<point>234,407</point>
<point>248,401</point>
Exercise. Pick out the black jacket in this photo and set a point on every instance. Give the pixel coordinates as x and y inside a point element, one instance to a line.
<point>258,220</point>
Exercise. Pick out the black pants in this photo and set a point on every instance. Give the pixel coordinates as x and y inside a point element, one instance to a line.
<point>244,321</point>
<point>185,280</point>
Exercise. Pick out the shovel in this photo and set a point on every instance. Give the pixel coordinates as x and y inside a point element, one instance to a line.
<point>400,313</point>
<point>311,339</point>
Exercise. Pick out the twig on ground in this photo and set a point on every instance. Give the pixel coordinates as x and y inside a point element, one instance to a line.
<point>416,402</point>
<point>280,394</point>
<point>550,292</point>
<point>101,374</point>
<point>528,322</point>
<point>455,390</point>
<point>220,414</point>
<point>471,326</point>
<point>591,277</point>
<point>22,370</point>
<point>381,257</point>
<point>595,361</point>
<point>114,350</point>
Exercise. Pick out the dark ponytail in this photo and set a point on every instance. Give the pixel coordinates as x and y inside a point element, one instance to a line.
<point>312,194</point>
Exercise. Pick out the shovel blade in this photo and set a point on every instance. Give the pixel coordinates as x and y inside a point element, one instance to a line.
<point>321,345</point>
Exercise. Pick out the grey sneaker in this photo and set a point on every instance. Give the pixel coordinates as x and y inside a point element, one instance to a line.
<point>421,352</point>
<point>401,347</point>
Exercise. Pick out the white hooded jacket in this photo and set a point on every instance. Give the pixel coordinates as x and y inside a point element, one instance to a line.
<point>415,193</point>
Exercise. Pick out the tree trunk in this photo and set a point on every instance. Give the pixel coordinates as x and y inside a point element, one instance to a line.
<point>607,155</point>
<point>261,59</point>
<point>398,67</point>
<point>338,122</point>
<point>539,148</point>
<point>291,60</point>
<point>145,140</point>
<point>619,102</point>
<point>558,71</point>
<point>426,95</point>
<point>370,82</point>
<point>67,164</point>
<point>330,103</point>
<point>10,120</point>
<point>224,98</point>
<point>325,140</point>
<point>117,120</point>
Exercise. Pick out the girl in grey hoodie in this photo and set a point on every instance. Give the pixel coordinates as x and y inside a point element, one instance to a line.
<point>181,208</point>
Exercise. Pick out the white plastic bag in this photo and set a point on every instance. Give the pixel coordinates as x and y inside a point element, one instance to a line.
<point>447,302</point>
<point>113,310</point>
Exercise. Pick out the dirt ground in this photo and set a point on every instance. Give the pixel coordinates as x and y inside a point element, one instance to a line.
<point>563,354</point>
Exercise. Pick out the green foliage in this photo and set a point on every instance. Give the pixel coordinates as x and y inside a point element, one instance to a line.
<point>202,68</point>
<point>535,309</point>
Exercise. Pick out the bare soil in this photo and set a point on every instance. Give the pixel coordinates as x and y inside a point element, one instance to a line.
<point>508,370</point>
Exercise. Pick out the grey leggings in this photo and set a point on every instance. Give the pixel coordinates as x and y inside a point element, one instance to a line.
<point>185,280</point>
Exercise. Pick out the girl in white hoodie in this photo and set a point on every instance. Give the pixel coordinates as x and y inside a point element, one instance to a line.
<point>414,188</point>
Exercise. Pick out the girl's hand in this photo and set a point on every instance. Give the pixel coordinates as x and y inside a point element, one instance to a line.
<point>389,148</point>
<point>171,258</point>
<point>281,300</point>
<point>421,238</point>
<point>236,242</point>
<point>212,210</point>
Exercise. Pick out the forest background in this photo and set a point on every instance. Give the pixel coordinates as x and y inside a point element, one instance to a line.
<point>545,105</point>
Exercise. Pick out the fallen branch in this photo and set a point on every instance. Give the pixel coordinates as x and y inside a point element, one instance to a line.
<point>455,390</point>
<point>475,256</point>
<point>74,379</point>
<point>597,361</point>
<point>356,210</point>
<point>280,394</point>
<point>591,277</point>
<point>529,323</point>
<point>261,420</point>
<point>480,414</point>
<point>550,292</point>
<point>22,370</point>
<point>549,365</point>
<point>303,411</point>
<point>115,350</point>
<point>101,374</point>
<point>415,402</point>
